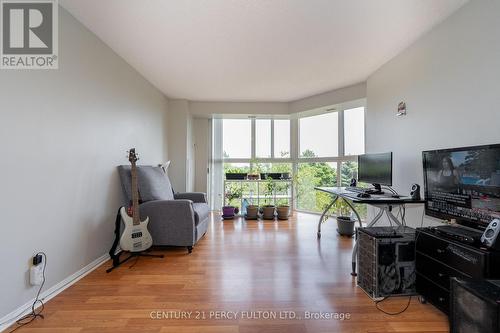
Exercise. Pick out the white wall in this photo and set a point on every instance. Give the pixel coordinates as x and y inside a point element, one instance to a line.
<point>208,109</point>
<point>450,80</point>
<point>201,133</point>
<point>190,147</point>
<point>338,96</point>
<point>62,134</point>
<point>179,138</point>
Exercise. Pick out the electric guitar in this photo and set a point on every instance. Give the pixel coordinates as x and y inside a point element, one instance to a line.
<point>135,237</point>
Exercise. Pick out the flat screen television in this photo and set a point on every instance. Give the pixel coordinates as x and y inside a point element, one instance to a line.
<point>463,184</point>
<point>375,169</point>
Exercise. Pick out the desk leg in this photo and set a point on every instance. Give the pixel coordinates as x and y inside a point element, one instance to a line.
<point>354,210</point>
<point>355,249</point>
<point>324,213</point>
<point>393,218</point>
<point>376,218</point>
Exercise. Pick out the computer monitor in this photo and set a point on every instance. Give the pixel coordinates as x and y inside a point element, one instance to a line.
<point>463,184</point>
<point>375,169</point>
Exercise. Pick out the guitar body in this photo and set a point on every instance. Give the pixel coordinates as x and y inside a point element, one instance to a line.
<point>135,237</point>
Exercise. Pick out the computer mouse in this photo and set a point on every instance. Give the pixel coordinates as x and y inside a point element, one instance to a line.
<point>363,195</point>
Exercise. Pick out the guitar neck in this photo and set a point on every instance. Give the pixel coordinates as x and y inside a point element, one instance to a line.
<point>135,195</point>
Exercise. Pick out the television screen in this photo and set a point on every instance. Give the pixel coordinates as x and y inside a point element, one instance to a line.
<point>464,184</point>
<point>375,168</point>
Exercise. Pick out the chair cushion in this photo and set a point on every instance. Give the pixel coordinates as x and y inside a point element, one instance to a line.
<point>201,212</point>
<point>153,183</point>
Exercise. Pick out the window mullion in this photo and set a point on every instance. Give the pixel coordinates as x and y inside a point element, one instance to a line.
<point>339,173</point>
<point>341,132</point>
<point>272,138</point>
<point>253,150</point>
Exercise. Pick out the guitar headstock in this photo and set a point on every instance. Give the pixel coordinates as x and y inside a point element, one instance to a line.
<point>133,157</point>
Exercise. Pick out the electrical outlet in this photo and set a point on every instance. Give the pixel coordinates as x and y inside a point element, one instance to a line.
<point>36,275</point>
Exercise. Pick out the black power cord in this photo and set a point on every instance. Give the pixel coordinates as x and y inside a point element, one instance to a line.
<point>393,313</point>
<point>35,313</point>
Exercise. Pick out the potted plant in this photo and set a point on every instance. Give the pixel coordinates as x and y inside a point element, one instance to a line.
<point>231,194</point>
<point>345,224</point>
<point>268,210</point>
<point>254,173</point>
<point>283,210</point>
<point>252,212</point>
<point>235,175</point>
<point>283,206</point>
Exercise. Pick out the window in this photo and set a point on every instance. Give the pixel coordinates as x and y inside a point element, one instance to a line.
<point>354,131</point>
<point>282,138</point>
<point>310,175</point>
<point>349,170</point>
<point>271,138</point>
<point>316,149</point>
<point>331,158</point>
<point>319,135</point>
<point>263,138</point>
<point>237,138</point>
<point>236,168</point>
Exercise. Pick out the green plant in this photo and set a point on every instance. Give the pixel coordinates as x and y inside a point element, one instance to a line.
<point>282,202</point>
<point>233,192</point>
<point>255,167</point>
<point>283,187</point>
<point>269,191</point>
<point>342,208</point>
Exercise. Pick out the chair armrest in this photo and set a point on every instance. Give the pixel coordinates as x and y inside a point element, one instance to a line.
<point>172,222</point>
<point>198,197</point>
<point>168,210</point>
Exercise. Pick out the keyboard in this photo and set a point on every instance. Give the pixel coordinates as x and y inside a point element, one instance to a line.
<point>356,189</point>
<point>363,190</point>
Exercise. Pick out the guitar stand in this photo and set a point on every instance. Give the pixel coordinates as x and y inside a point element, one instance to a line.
<point>116,257</point>
<point>117,262</point>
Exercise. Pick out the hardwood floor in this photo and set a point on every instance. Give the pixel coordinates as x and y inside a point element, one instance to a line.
<point>278,268</point>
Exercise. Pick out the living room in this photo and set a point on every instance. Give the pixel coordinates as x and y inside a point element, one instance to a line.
<point>238,129</point>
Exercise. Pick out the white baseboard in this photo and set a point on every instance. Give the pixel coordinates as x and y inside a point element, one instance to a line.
<point>50,293</point>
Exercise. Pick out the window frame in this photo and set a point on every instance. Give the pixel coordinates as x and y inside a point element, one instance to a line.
<point>340,108</point>
<point>294,158</point>
<point>253,158</point>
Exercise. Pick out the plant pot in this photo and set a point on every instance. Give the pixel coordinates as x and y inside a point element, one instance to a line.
<point>253,176</point>
<point>268,212</point>
<point>345,226</point>
<point>236,175</point>
<point>229,211</point>
<point>283,212</point>
<point>252,212</point>
<point>275,175</point>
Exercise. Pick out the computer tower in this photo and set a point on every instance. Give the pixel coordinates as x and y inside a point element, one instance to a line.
<point>386,265</point>
<point>474,306</point>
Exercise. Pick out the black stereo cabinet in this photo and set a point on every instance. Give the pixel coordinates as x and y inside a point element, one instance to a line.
<point>438,259</point>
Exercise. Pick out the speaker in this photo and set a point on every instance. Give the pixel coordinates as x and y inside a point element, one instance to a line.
<point>415,192</point>
<point>490,237</point>
<point>474,306</point>
<point>354,182</point>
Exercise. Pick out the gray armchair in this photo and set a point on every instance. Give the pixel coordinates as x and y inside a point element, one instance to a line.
<point>176,219</point>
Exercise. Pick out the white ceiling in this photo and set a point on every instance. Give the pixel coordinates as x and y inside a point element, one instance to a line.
<point>257,50</point>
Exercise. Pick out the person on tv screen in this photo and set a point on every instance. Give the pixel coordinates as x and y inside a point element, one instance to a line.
<point>448,178</point>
